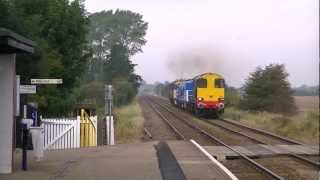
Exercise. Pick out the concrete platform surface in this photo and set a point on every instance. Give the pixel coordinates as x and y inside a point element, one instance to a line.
<point>194,163</point>
<point>127,161</point>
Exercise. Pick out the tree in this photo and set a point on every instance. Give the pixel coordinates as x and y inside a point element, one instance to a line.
<point>268,90</point>
<point>110,28</point>
<point>59,29</point>
<point>115,36</point>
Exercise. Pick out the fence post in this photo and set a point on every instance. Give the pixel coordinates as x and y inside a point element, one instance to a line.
<point>78,131</point>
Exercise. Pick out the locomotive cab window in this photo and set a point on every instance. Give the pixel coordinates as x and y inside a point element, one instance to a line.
<point>202,83</point>
<point>219,83</point>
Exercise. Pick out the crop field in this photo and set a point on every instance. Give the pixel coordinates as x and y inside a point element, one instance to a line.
<point>307,103</point>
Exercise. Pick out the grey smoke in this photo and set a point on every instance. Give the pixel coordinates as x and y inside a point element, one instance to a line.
<point>191,62</point>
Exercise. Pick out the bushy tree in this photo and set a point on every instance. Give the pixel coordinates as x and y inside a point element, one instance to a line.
<point>59,29</point>
<point>114,28</point>
<point>115,36</point>
<point>123,92</point>
<point>268,89</point>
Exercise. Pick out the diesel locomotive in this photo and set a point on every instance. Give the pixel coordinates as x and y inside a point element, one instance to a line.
<point>201,95</point>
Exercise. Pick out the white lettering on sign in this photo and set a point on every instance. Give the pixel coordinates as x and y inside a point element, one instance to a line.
<point>27,89</point>
<point>46,81</point>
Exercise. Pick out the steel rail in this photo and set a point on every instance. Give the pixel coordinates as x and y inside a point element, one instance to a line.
<point>256,165</point>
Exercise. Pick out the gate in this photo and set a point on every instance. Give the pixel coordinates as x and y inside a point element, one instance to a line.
<point>66,133</point>
<point>62,133</point>
<point>88,129</point>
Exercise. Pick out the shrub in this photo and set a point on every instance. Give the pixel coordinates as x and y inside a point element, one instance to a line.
<point>269,90</point>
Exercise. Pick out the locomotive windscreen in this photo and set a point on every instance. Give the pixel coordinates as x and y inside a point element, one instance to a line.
<point>219,83</point>
<point>201,83</point>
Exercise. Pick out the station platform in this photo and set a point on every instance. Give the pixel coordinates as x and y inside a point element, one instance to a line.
<point>119,162</point>
<point>140,161</point>
<point>261,150</point>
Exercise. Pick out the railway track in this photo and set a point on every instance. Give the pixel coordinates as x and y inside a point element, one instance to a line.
<point>259,136</point>
<point>182,130</point>
<point>156,106</point>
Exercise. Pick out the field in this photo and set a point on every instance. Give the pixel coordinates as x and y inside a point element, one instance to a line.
<point>303,126</point>
<point>307,103</point>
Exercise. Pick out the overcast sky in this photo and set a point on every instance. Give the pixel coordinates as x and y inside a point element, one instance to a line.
<point>187,37</point>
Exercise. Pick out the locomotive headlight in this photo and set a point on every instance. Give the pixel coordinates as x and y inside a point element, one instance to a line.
<point>221,99</point>
<point>200,99</point>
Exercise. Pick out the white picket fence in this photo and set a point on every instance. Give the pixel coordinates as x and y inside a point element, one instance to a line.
<point>61,133</point>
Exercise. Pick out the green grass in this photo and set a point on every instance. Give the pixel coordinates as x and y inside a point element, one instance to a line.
<point>129,123</point>
<point>303,126</point>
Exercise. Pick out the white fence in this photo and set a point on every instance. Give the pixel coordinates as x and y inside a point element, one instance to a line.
<point>61,133</point>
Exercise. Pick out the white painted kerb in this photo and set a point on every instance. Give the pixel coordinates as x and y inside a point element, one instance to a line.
<point>224,169</point>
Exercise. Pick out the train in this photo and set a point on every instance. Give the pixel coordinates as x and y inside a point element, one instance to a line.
<point>202,95</point>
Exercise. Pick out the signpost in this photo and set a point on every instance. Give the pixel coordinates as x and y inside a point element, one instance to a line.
<point>30,89</point>
<point>46,81</point>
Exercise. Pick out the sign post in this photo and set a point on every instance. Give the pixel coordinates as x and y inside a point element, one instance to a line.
<point>31,123</point>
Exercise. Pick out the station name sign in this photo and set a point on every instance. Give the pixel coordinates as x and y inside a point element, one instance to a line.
<point>46,81</point>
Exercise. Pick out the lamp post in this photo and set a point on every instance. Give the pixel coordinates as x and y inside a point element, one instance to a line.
<point>10,44</point>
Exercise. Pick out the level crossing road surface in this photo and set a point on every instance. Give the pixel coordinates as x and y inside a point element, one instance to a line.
<point>138,161</point>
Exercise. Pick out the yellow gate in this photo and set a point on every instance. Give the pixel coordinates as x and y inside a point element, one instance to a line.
<point>88,130</point>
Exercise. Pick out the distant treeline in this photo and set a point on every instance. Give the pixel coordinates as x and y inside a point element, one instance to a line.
<point>305,90</point>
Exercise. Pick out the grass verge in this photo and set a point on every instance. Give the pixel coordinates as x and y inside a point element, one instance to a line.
<point>303,127</point>
<point>129,123</point>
